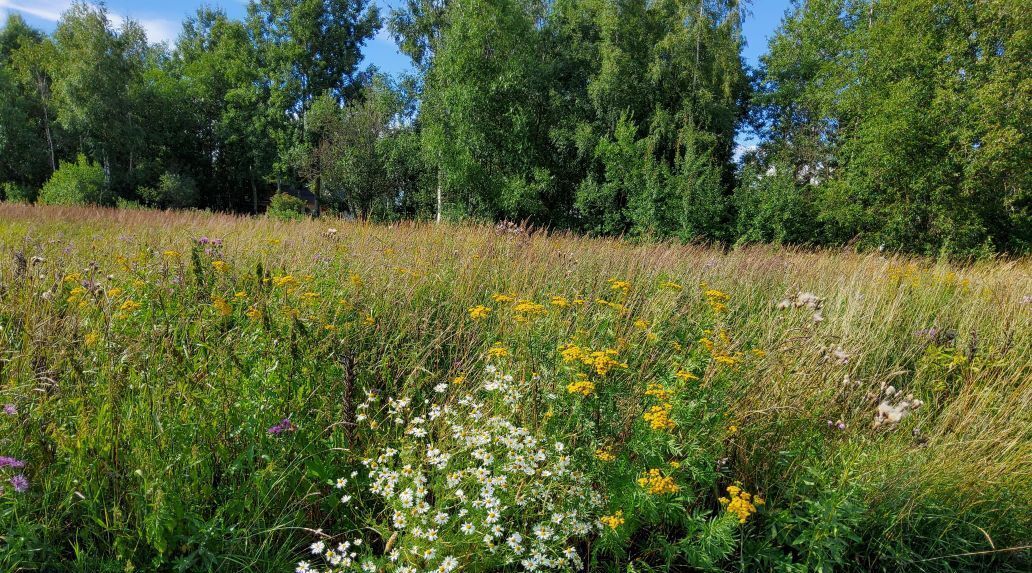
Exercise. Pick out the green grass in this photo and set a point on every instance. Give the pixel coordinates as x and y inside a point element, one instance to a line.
<point>147,368</point>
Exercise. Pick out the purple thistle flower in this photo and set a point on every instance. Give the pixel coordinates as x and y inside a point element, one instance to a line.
<point>9,462</point>
<point>203,241</point>
<point>285,425</point>
<point>20,483</point>
<point>10,409</point>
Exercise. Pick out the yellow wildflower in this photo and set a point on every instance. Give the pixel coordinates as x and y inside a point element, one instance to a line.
<point>502,298</point>
<point>220,266</point>
<point>740,503</point>
<point>129,306</point>
<point>253,313</point>
<point>618,285</point>
<point>605,454</point>
<point>113,292</point>
<point>670,285</point>
<point>656,483</point>
<point>685,375</point>
<point>172,254</point>
<point>91,338</point>
<point>658,391</point>
<point>479,312</point>
<point>581,386</point>
<point>658,417</point>
<point>369,320</point>
<point>559,302</point>
<point>498,351</point>
<point>613,521</point>
<point>221,305</point>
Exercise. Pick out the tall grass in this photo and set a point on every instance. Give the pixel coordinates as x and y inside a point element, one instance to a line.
<point>146,367</point>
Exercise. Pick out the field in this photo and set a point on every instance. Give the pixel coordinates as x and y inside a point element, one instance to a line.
<point>197,392</point>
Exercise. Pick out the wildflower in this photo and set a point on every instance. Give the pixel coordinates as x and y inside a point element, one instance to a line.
<point>658,391</point>
<point>285,425</point>
<point>222,306</point>
<point>641,324</point>
<point>172,254</point>
<point>581,386</point>
<point>20,483</point>
<point>113,292</point>
<point>369,320</point>
<point>73,277</point>
<point>503,298</point>
<point>670,285</point>
<point>129,306</point>
<point>618,285</point>
<point>458,380</point>
<point>657,484</point>
<point>287,281</point>
<point>658,417</point>
<point>717,300</point>
<point>613,521</point>
<point>10,409</point>
<point>253,313</point>
<point>497,351</point>
<point>479,312</point>
<point>559,302</point>
<point>356,281</point>
<point>9,462</point>
<point>219,266</point>
<point>685,375</point>
<point>605,454</point>
<point>740,502</point>
<point>527,309</point>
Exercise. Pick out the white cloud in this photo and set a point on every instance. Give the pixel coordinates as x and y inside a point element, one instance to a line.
<point>741,150</point>
<point>158,29</point>
<point>49,10</point>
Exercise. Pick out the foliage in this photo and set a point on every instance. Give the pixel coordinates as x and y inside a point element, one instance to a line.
<point>209,392</point>
<point>173,191</point>
<point>286,207</point>
<point>17,193</point>
<point>79,183</point>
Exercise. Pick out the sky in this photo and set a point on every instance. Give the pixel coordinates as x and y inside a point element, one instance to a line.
<point>162,21</point>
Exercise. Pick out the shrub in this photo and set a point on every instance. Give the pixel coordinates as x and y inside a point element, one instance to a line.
<point>173,191</point>
<point>79,183</point>
<point>17,193</point>
<point>286,207</point>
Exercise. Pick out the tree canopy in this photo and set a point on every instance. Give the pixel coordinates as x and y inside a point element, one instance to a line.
<point>898,124</point>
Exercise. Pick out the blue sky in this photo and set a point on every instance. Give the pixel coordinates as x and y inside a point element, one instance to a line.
<point>162,18</point>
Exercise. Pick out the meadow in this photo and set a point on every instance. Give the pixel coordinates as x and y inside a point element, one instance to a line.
<point>199,392</point>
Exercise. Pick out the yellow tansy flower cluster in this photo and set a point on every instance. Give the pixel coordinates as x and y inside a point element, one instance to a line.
<point>503,298</point>
<point>740,502</point>
<point>613,521</point>
<point>221,306</point>
<point>498,351</point>
<point>600,361</point>
<point>605,454</point>
<point>658,417</point>
<point>479,312</point>
<point>581,386</point>
<point>717,300</point>
<point>656,483</point>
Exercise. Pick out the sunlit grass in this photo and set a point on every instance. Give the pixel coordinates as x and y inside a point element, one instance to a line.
<point>149,354</point>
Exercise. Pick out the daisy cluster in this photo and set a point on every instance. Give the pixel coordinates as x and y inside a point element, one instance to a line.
<point>465,485</point>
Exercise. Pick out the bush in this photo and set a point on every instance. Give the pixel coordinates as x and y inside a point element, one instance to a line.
<point>174,191</point>
<point>14,193</point>
<point>286,207</point>
<point>79,183</point>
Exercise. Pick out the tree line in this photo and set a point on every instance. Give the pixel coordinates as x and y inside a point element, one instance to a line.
<point>899,124</point>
